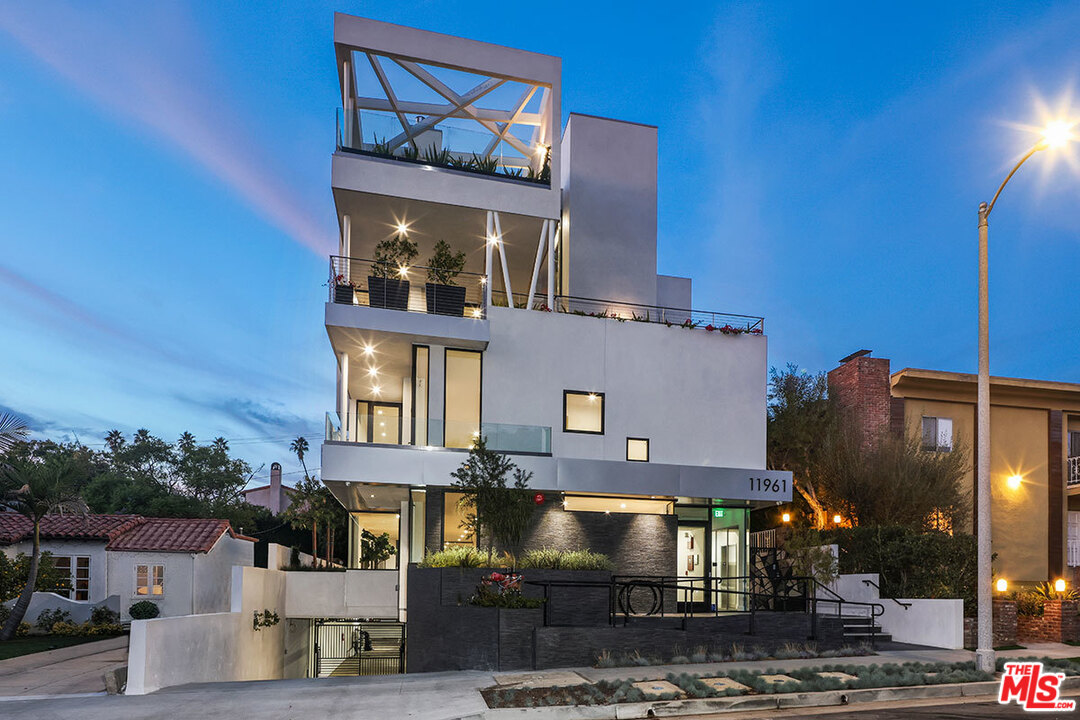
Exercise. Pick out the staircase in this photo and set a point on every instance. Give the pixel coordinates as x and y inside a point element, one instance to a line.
<point>859,629</point>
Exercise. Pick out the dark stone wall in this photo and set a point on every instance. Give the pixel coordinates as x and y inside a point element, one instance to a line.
<point>637,544</point>
<point>665,638</point>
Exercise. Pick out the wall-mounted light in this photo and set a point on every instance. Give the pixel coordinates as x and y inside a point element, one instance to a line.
<point>1014,481</point>
<point>1059,585</point>
<point>1002,585</point>
<point>836,519</point>
<point>483,279</point>
<point>786,517</point>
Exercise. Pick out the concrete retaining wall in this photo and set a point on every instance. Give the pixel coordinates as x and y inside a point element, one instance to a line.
<point>79,610</point>
<point>345,594</point>
<point>937,623</point>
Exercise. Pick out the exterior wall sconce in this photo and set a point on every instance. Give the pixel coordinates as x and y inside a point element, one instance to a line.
<point>1014,482</point>
<point>837,519</point>
<point>1002,585</point>
<point>786,517</point>
<point>1059,585</point>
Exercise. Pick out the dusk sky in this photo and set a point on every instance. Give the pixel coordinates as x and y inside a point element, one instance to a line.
<point>166,215</point>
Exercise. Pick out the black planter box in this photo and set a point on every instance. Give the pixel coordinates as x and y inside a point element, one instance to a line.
<point>388,293</point>
<point>343,294</point>
<point>445,299</point>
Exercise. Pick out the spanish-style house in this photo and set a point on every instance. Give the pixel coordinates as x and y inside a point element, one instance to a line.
<point>184,565</point>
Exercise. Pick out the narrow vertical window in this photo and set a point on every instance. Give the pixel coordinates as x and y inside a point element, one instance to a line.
<point>463,383</point>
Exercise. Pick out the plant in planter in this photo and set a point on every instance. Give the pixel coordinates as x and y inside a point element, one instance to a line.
<point>443,296</point>
<point>343,290</point>
<point>388,286</point>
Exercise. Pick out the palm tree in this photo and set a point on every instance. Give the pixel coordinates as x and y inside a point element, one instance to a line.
<point>34,488</point>
<point>300,447</point>
<point>12,429</point>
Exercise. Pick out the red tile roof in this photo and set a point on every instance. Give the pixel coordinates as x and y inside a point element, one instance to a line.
<point>123,532</point>
<point>15,527</point>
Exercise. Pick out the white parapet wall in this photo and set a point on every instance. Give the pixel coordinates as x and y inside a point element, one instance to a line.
<point>352,593</point>
<point>920,621</point>
<point>215,647</point>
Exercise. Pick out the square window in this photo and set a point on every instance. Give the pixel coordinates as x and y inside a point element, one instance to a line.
<point>637,449</point>
<point>937,434</point>
<point>583,412</point>
<point>149,580</point>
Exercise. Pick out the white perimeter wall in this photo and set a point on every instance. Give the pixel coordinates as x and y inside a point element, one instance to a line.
<point>217,647</point>
<point>352,593</point>
<point>936,622</point>
<point>213,573</point>
<point>698,396</point>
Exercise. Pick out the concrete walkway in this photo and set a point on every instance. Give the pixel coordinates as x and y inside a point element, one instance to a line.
<point>71,670</point>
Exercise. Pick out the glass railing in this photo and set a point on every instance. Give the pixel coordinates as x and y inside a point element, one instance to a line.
<point>501,437</point>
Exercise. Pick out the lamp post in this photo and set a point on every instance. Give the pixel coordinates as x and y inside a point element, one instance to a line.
<point>1054,135</point>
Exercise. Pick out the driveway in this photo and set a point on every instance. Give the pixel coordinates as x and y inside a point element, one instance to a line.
<point>72,670</point>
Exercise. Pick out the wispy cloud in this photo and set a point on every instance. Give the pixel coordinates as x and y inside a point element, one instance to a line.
<point>146,70</point>
<point>270,421</point>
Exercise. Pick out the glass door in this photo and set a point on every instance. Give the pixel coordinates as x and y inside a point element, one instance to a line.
<point>691,562</point>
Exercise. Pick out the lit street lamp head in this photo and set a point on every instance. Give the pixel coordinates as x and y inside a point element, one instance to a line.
<point>1055,135</point>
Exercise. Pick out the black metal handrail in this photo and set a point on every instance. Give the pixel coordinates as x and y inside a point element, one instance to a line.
<point>620,589</point>
<point>898,602</point>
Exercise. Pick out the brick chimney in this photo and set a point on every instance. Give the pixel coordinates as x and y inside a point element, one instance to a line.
<point>275,488</point>
<point>860,388</point>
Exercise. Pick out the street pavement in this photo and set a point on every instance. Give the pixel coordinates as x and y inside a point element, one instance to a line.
<point>71,670</point>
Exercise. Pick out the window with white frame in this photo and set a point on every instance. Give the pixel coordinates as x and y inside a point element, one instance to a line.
<point>149,580</point>
<point>78,569</point>
<point>937,434</point>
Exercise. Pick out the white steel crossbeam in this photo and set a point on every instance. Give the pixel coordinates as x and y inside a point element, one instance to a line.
<point>467,99</point>
<point>389,90</point>
<point>518,109</point>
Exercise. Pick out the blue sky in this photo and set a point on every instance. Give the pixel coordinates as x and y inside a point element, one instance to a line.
<point>165,211</point>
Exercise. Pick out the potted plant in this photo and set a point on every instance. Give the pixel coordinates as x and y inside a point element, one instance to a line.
<point>388,284</point>
<point>443,296</point>
<point>343,290</point>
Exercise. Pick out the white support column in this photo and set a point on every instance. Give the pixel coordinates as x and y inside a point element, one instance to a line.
<point>488,244</point>
<point>343,394</point>
<point>404,542</point>
<point>502,257</point>
<point>346,247</point>
<point>536,265</point>
<point>346,114</point>
<point>552,237</point>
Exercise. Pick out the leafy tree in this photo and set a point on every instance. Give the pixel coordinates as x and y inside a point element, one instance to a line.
<point>14,572</point>
<point>493,510</point>
<point>801,421</point>
<point>374,549</point>
<point>306,511</point>
<point>891,481</point>
<point>35,486</point>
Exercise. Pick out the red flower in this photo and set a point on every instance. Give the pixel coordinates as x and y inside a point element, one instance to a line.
<point>710,327</point>
<point>497,577</point>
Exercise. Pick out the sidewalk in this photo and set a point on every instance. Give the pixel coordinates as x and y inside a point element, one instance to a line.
<point>65,671</point>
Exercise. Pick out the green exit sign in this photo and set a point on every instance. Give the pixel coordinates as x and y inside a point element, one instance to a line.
<point>718,512</point>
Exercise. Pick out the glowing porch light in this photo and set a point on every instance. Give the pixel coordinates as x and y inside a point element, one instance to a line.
<point>836,519</point>
<point>1059,585</point>
<point>1002,585</point>
<point>1014,481</point>
<point>786,517</point>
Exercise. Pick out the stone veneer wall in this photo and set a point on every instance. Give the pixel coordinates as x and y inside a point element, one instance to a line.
<point>637,544</point>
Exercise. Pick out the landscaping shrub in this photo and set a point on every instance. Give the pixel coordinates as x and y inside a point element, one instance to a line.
<point>912,563</point>
<point>48,618</point>
<point>102,615</point>
<point>466,557</point>
<point>64,628</point>
<point>551,559</point>
<point>1029,603</point>
<point>144,610</point>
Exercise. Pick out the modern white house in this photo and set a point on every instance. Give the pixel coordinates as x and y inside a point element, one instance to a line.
<point>558,339</point>
<point>184,565</point>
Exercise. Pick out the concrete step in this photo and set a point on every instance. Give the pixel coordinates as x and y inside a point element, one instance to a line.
<point>876,637</point>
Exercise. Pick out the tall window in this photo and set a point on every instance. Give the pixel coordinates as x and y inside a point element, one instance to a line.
<point>150,580</point>
<point>78,569</point>
<point>455,533</point>
<point>937,434</point>
<point>1074,444</point>
<point>583,412</point>
<point>462,398</point>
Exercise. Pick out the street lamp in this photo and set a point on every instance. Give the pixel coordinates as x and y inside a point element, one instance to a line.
<point>1054,135</point>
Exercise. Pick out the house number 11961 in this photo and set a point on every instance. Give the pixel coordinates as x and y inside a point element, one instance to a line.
<point>768,485</point>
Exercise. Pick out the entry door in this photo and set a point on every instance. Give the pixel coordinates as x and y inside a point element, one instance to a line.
<point>726,554</point>
<point>691,560</point>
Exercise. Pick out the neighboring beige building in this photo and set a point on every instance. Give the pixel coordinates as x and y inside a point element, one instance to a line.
<point>275,496</point>
<point>1035,452</point>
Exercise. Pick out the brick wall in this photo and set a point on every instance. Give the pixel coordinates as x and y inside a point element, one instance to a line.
<point>860,388</point>
<point>1059,622</point>
<point>1005,626</point>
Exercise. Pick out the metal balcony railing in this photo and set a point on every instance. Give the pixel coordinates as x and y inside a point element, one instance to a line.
<point>356,281</point>
<point>1073,468</point>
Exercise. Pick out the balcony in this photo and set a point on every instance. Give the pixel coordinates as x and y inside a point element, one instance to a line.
<point>503,437</point>
<point>367,283</point>
<point>1072,468</point>
<point>356,281</point>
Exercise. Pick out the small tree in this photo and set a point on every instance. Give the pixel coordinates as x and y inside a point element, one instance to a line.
<point>35,487</point>
<point>392,254</point>
<point>445,264</point>
<point>498,513</point>
<point>374,549</point>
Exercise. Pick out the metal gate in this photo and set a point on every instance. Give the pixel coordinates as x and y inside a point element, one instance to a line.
<point>352,647</point>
